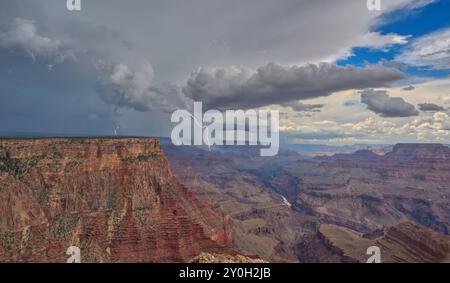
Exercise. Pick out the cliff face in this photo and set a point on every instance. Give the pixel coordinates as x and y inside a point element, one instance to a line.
<point>365,192</point>
<point>262,223</point>
<point>426,162</point>
<point>115,199</point>
<point>405,242</point>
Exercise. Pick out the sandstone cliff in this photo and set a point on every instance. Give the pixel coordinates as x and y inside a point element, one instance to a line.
<point>223,258</point>
<point>405,242</point>
<point>115,199</point>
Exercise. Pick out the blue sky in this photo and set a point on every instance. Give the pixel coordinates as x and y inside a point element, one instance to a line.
<point>412,23</point>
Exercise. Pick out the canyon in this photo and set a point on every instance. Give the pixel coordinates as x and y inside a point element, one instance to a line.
<point>278,206</point>
<point>146,200</point>
<point>115,199</point>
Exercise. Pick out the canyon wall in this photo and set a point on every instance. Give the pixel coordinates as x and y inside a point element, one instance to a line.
<point>115,199</point>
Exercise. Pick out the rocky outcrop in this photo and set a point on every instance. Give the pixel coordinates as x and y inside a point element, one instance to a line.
<point>225,258</point>
<point>426,162</point>
<point>405,242</point>
<point>115,199</point>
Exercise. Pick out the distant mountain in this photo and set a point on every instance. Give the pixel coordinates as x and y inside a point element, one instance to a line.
<point>402,152</point>
<point>364,191</point>
<point>15,134</point>
<point>329,150</point>
<point>363,155</point>
<point>419,152</point>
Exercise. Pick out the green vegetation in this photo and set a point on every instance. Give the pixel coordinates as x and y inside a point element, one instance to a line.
<point>42,197</point>
<point>142,157</point>
<point>64,225</point>
<point>165,185</point>
<point>169,190</point>
<point>10,165</point>
<point>8,240</point>
<point>71,165</point>
<point>142,215</point>
<point>16,166</point>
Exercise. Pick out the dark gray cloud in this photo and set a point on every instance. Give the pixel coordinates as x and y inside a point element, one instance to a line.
<point>35,99</point>
<point>350,103</point>
<point>65,97</point>
<point>381,103</point>
<point>122,86</point>
<point>276,84</point>
<point>430,107</point>
<point>280,31</point>
<point>409,88</point>
<point>302,107</point>
<point>23,34</point>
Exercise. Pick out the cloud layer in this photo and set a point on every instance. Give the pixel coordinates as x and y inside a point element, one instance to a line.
<point>381,103</point>
<point>430,107</point>
<point>276,84</point>
<point>23,34</point>
<point>123,87</point>
<point>302,107</point>
<point>78,95</point>
<point>432,51</point>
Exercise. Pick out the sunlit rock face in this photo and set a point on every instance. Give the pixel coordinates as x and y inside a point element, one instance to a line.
<point>115,199</point>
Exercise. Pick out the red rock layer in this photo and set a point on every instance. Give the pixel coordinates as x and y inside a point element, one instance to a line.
<point>427,162</point>
<point>115,199</point>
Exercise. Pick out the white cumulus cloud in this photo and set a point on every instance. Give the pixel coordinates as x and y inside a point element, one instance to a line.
<point>432,50</point>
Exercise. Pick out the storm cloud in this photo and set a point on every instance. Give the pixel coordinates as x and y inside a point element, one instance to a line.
<point>430,107</point>
<point>50,80</point>
<point>277,84</point>
<point>122,86</point>
<point>381,103</point>
<point>302,107</point>
<point>23,34</point>
<point>409,88</point>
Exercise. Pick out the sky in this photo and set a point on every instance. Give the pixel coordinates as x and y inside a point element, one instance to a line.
<point>338,72</point>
